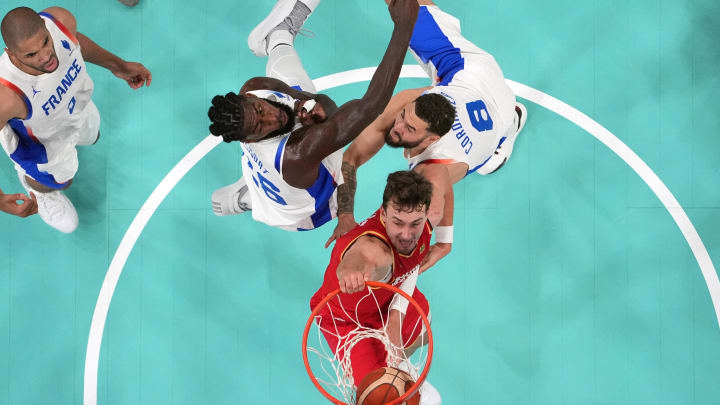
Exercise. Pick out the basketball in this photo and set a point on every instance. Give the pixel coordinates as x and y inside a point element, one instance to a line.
<point>383,385</point>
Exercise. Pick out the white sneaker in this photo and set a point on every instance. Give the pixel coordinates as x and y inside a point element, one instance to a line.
<point>503,152</point>
<point>54,208</point>
<point>232,200</point>
<point>258,41</point>
<point>429,395</point>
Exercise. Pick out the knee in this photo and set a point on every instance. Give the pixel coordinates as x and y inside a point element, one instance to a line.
<point>41,188</point>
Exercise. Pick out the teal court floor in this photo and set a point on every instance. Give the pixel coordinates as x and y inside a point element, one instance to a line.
<point>569,282</point>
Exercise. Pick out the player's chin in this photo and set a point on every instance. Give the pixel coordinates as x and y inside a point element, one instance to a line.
<point>406,248</point>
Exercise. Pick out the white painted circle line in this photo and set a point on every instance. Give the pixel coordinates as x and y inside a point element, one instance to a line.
<point>97,326</point>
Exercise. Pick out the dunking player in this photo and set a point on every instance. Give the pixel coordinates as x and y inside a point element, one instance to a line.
<point>45,105</point>
<point>389,247</point>
<point>486,124</point>
<point>291,138</point>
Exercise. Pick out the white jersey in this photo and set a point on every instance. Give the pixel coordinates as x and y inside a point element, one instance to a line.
<point>277,203</point>
<point>473,83</point>
<point>58,106</point>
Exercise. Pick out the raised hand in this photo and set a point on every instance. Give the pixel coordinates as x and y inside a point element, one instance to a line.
<point>135,74</point>
<point>345,223</point>
<point>403,11</point>
<point>352,281</point>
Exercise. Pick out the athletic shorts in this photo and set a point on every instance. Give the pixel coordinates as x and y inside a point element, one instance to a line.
<point>472,81</point>
<point>51,163</point>
<point>370,354</point>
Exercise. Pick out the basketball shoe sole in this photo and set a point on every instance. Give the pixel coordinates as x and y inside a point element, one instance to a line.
<point>232,199</point>
<point>503,152</point>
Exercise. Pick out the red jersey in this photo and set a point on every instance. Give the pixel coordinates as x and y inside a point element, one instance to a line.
<point>403,265</point>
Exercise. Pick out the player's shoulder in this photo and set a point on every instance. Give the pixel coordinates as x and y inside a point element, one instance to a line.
<point>402,98</point>
<point>373,246</point>
<point>11,106</point>
<point>64,17</point>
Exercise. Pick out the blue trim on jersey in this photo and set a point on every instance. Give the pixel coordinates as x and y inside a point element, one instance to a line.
<point>28,105</point>
<point>279,153</point>
<point>29,154</point>
<point>296,88</point>
<point>502,140</point>
<point>322,191</point>
<point>431,44</point>
<point>478,166</point>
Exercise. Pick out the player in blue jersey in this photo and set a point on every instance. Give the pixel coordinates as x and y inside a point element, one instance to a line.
<point>46,107</point>
<point>292,138</point>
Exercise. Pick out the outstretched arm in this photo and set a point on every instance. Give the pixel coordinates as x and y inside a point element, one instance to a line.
<point>360,151</point>
<point>440,214</point>
<point>308,146</point>
<point>135,74</point>
<point>368,259</point>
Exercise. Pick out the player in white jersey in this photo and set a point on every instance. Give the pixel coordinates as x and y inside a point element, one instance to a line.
<point>481,137</point>
<point>292,139</point>
<point>45,103</point>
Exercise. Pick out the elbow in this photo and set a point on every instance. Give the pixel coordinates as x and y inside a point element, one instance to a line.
<point>435,215</point>
<point>373,106</point>
<point>350,158</point>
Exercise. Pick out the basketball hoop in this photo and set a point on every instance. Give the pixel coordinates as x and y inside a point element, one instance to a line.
<point>335,365</point>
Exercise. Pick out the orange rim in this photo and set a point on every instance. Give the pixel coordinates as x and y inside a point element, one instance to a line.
<point>396,290</point>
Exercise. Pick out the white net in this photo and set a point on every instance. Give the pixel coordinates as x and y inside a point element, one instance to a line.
<point>332,368</point>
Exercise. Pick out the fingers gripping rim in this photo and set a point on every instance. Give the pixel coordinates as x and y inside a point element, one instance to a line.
<point>373,284</point>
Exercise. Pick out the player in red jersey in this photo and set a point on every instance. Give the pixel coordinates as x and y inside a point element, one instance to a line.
<point>388,247</point>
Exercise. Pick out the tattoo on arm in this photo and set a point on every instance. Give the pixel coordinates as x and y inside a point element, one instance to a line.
<point>346,191</point>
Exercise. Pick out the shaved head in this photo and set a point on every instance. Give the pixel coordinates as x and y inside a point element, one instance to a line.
<point>20,24</point>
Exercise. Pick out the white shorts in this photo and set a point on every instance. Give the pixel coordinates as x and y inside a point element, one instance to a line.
<point>472,81</point>
<point>450,59</point>
<point>53,161</point>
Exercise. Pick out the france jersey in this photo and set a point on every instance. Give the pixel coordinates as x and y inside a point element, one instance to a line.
<point>60,113</point>
<point>275,202</point>
<point>472,81</point>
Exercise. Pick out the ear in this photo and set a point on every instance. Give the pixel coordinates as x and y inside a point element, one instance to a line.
<point>383,215</point>
<point>429,140</point>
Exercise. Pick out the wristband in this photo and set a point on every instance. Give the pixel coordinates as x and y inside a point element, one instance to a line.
<point>444,234</point>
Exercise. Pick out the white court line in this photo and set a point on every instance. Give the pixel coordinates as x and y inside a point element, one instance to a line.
<point>97,325</point>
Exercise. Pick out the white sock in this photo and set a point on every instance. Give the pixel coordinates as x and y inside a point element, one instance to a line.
<point>312,4</point>
<point>284,62</point>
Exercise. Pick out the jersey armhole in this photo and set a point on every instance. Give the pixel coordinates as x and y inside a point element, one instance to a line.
<point>61,26</point>
<point>375,235</point>
<point>372,234</point>
<point>21,94</point>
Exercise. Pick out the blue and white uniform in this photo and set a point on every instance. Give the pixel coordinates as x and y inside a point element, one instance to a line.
<point>472,81</point>
<point>275,202</point>
<point>60,116</point>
